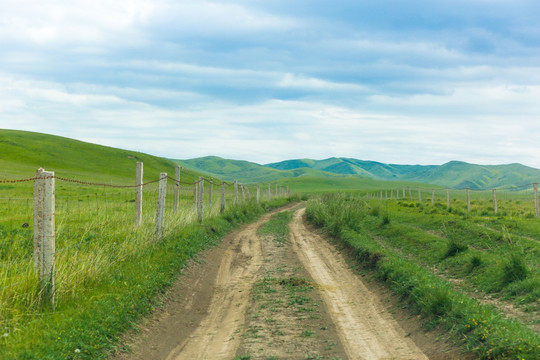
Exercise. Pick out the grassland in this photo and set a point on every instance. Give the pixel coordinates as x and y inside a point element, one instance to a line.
<point>109,273</point>
<point>478,276</point>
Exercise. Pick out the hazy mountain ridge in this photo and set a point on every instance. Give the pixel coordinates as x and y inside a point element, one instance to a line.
<point>454,174</point>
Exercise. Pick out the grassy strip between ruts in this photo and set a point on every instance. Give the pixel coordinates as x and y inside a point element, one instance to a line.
<point>90,329</point>
<point>480,327</point>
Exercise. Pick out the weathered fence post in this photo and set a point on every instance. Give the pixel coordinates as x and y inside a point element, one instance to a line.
<point>495,201</point>
<point>235,192</point>
<point>419,195</point>
<point>210,191</point>
<point>410,194</point>
<point>269,193</point>
<point>160,212</point>
<point>535,186</point>
<point>243,193</point>
<point>277,195</point>
<point>222,205</point>
<point>138,193</point>
<point>385,194</point>
<point>200,199</point>
<point>447,198</point>
<point>468,201</point>
<point>44,235</point>
<point>432,197</point>
<point>258,193</point>
<point>176,188</point>
<point>404,192</point>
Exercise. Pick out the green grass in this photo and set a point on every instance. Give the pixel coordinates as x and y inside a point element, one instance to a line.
<point>109,273</point>
<point>411,253</point>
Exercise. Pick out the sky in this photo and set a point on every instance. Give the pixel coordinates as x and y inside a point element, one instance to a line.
<point>402,82</point>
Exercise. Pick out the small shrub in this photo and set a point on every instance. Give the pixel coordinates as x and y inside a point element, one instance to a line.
<point>385,219</point>
<point>475,262</point>
<point>454,248</point>
<point>514,270</point>
<point>375,212</point>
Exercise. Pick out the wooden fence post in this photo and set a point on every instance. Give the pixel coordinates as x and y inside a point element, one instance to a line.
<point>468,201</point>
<point>44,235</point>
<point>138,193</point>
<point>404,192</point>
<point>432,197</point>
<point>222,205</point>
<point>277,195</point>
<point>385,194</point>
<point>243,193</point>
<point>495,200</point>
<point>235,192</point>
<point>200,199</point>
<point>535,186</point>
<point>176,188</point>
<point>269,193</point>
<point>210,191</point>
<point>447,198</point>
<point>160,212</point>
<point>258,193</point>
<point>419,195</point>
<point>410,194</point>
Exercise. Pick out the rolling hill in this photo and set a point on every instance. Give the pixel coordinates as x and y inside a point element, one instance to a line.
<point>249,172</point>
<point>23,152</point>
<point>454,174</point>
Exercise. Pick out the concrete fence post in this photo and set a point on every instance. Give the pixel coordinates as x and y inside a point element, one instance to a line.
<point>235,192</point>
<point>258,193</point>
<point>44,235</point>
<point>495,208</point>
<point>138,193</point>
<point>535,186</point>
<point>160,212</point>
<point>210,191</point>
<point>222,205</point>
<point>468,201</point>
<point>200,199</point>
<point>448,198</point>
<point>176,188</point>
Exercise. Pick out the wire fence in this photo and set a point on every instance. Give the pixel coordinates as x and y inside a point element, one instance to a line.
<point>519,200</point>
<point>95,228</point>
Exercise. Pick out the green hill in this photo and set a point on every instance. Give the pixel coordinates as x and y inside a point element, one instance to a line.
<point>249,172</point>
<point>455,174</point>
<point>23,152</point>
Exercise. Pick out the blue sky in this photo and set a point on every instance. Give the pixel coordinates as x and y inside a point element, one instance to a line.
<point>408,82</point>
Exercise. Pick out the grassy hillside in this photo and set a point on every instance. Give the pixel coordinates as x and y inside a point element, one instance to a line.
<point>248,172</point>
<point>455,174</point>
<point>23,152</point>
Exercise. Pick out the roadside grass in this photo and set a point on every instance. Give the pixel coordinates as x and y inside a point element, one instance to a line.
<point>402,252</point>
<point>108,276</point>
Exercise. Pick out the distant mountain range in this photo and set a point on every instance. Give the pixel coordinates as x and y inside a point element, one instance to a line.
<point>454,174</point>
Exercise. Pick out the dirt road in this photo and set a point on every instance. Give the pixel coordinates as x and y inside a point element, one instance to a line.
<point>259,298</point>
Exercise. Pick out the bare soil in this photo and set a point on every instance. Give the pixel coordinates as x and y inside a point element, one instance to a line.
<point>254,297</point>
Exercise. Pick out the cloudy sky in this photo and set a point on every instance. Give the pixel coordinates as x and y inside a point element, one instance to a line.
<point>407,82</point>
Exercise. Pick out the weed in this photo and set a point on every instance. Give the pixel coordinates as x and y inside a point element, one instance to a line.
<point>514,270</point>
<point>454,248</point>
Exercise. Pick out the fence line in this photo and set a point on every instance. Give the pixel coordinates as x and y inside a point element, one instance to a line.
<point>91,210</point>
<point>525,191</point>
